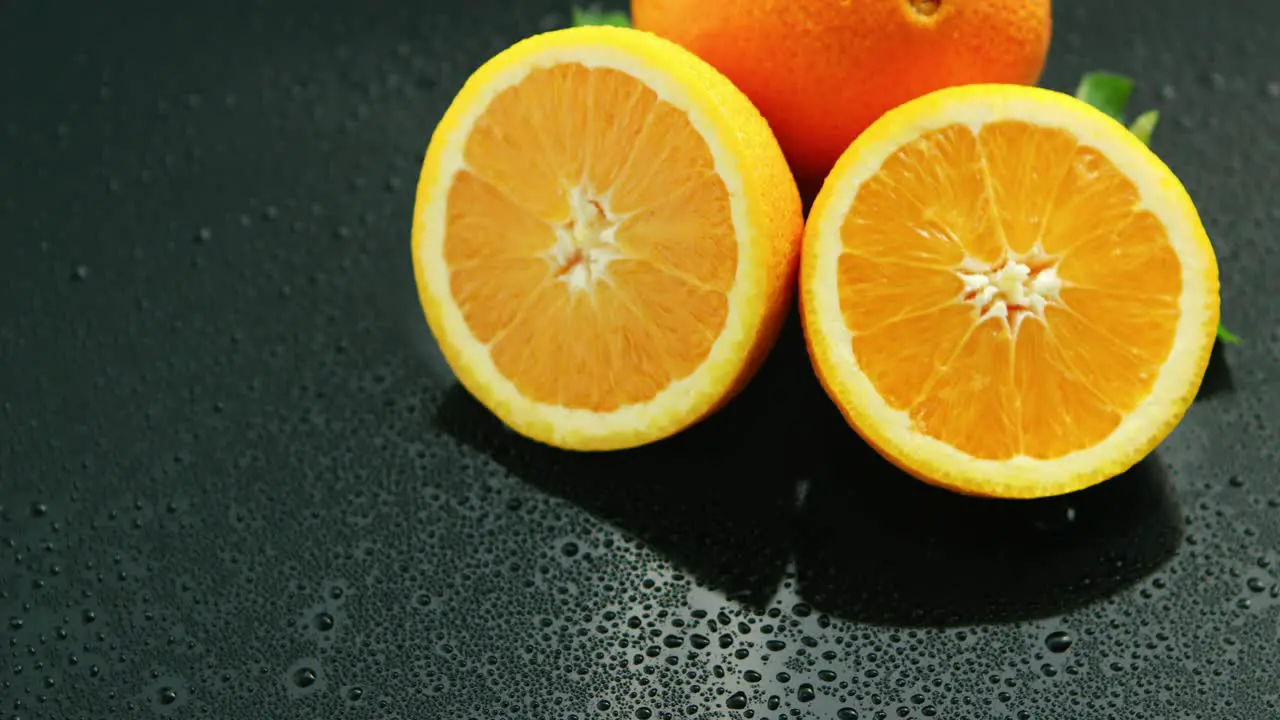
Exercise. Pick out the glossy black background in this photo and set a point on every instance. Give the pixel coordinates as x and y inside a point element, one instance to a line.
<point>232,461</point>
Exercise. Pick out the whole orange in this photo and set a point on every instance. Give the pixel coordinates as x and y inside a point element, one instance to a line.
<point>821,71</point>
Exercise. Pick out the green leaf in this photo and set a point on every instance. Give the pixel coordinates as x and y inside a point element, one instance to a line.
<point>1144,125</point>
<point>595,16</point>
<point>1227,336</point>
<point>1106,91</point>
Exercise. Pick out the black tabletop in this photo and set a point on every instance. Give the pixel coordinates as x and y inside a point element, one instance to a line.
<point>238,481</point>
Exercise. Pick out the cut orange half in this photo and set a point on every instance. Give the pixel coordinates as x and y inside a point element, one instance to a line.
<point>605,237</point>
<point>1006,292</point>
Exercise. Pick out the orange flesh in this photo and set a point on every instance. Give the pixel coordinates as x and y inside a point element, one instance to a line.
<point>1034,384</point>
<point>655,297</point>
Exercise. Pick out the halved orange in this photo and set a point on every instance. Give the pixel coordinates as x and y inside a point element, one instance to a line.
<point>605,237</point>
<point>1006,293</point>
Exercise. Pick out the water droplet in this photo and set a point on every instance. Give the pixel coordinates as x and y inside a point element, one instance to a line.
<point>928,711</point>
<point>168,696</point>
<point>304,677</point>
<point>80,273</point>
<point>699,641</point>
<point>603,705</point>
<point>39,509</point>
<point>783,677</point>
<point>752,676</point>
<point>1235,481</point>
<point>15,623</point>
<point>569,549</point>
<point>1048,670</point>
<point>323,621</point>
<point>801,610</point>
<point>736,701</point>
<point>1058,641</point>
<point>1024,715</point>
<point>355,693</point>
<point>806,693</point>
<point>1255,584</point>
<point>846,713</point>
<point>775,645</point>
<point>774,702</point>
<point>204,235</point>
<point>827,675</point>
<point>673,641</point>
<point>643,713</point>
<point>88,616</point>
<point>335,592</point>
<point>903,711</point>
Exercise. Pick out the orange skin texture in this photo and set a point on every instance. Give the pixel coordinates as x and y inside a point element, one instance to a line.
<point>821,71</point>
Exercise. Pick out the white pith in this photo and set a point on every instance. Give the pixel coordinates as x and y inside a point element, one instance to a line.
<point>1012,290</point>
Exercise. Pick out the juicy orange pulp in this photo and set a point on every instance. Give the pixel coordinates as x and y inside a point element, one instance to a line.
<point>997,378</point>
<point>590,239</point>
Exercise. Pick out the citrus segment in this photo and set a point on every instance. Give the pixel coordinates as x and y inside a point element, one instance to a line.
<point>969,399</point>
<point>505,158</point>
<point>934,188</point>
<point>880,292</point>
<point>1135,258</point>
<point>1115,368</point>
<point>620,111</point>
<point>603,239</point>
<point>904,355</point>
<point>659,233</point>
<point>485,225</point>
<point>1090,203</point>
<point>492,297</point>
<point>1025,165</point>
<point>1060,412</point>
<point>1006,293</point>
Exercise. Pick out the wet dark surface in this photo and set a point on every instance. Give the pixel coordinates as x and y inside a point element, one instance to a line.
<point>237,480</point>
